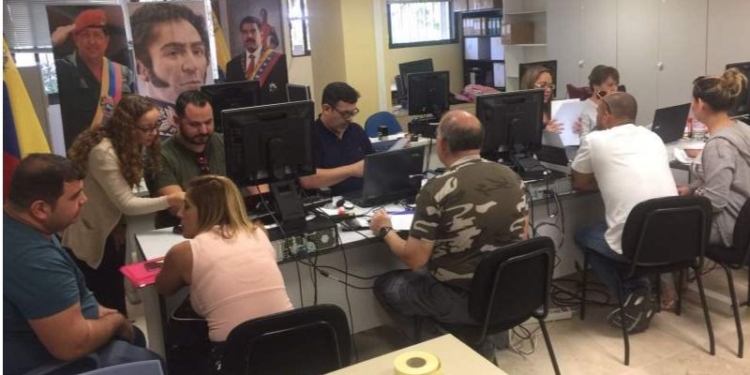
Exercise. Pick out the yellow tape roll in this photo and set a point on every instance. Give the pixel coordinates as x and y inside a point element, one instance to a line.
<point>416,363</point>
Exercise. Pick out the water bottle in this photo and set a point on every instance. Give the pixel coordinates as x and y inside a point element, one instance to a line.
<point>699,131</point>
<point>688,128</point>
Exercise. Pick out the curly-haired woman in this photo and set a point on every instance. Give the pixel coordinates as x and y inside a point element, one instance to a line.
<point>116,156</point>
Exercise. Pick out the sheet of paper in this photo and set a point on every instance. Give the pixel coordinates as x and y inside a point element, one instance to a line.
<point>568,112</point>
<point>402,221</point>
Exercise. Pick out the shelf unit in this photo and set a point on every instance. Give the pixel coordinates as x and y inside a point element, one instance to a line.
<point>533,47</point>
<point>483,51</point>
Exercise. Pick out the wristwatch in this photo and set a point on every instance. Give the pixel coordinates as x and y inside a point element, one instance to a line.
<point>384,231</point>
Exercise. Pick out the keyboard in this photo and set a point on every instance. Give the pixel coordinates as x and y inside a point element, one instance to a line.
<point>309,202</point>
<point>383,146</point>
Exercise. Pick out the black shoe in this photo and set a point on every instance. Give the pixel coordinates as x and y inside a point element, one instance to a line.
<point>638,308</point>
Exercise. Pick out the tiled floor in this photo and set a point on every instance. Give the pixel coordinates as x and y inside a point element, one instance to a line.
<point>673,345</point>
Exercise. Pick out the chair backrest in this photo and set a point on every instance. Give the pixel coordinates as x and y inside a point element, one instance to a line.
<point>742,232</point>
<point>512,283</point>
<point>141,368</point>
<point>575,92</point>
<point>382,118</point>
<point>667,230</point>
<point>306,341</point>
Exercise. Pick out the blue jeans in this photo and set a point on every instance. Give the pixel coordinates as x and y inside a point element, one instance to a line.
<point>608,265</point>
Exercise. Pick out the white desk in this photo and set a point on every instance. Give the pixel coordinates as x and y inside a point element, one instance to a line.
<point>455,358</point>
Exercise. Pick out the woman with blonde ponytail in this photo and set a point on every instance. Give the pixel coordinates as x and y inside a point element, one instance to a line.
<point>724,173</point>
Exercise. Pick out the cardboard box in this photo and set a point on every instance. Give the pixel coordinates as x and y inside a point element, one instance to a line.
<point>485,4</point>
<point>518,32</point>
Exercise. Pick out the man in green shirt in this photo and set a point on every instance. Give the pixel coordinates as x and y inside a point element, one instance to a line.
<point>193,151</point>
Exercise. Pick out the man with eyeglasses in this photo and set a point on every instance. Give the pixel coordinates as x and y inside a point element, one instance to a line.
<point>89,83</point>
<point>340,144</point>
<point>629,165</point>
<point>193,151</point>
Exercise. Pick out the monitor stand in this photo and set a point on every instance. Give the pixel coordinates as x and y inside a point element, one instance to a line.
<point>288,205</point>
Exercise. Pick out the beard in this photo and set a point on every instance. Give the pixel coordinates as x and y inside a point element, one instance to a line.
<point>201,139</point>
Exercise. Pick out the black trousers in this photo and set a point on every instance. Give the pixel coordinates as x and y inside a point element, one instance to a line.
<point>106,282</point>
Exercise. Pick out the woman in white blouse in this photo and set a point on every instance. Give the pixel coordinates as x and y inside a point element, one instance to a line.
<point>603,80</point>
<point>115,156</point>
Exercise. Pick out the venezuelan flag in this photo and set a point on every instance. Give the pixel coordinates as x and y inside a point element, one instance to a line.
<point>22,132</point>
<point>222,50</point>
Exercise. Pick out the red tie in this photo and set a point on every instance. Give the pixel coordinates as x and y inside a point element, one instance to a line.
<point>250,67</point>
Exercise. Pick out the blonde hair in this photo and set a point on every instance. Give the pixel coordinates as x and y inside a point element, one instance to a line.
<point>122,132</point>
<point>720,92</point>
<point>219,203</point>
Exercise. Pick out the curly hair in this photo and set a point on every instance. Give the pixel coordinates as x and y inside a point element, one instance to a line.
<point>122,132</point>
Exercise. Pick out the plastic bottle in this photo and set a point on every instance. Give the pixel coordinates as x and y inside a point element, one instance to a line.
<point>699,131</point>
<point>688,128</point>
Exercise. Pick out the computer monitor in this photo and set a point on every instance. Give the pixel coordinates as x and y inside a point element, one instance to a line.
<point>391,176</point>
<point>418,66</point>
<point>512,122</point>
<point>743,102</point>
<point>297,93</point>
<point>549,64</point>
<point>272,144</point>
<point>230,95</point>
<point>429,93</point>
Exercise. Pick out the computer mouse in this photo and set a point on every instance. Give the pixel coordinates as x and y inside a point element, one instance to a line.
<point>345,204</point>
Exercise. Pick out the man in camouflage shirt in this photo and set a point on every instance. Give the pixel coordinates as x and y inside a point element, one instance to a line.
<point>475,207</point>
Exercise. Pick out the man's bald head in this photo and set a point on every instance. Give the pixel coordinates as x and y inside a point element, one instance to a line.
<point>461,131</point>
<point>622,106</point>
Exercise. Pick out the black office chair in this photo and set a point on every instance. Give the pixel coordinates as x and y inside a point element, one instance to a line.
<point>735,257</point>
<point>306,341</point>
<point>663,235</point>
<point>509,286</point>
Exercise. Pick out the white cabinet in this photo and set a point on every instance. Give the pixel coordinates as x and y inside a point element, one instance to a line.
<point>581,35</point>
<point>533,11</point>
<point>661,48</point>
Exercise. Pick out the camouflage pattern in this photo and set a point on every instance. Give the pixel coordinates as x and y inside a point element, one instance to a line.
<point>476,206</point>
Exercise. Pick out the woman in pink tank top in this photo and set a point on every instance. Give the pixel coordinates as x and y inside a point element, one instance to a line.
<point>227,261</point>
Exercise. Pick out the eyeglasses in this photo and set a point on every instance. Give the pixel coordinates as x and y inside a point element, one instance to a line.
<point>545,86</point>
<point>148,130</point>
<point>346,114</point>
<point>203,164</point>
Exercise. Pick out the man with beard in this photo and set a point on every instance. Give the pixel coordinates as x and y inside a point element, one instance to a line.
<point>90,84</point>
<point>194,150</point>
<point>172,55</point>
<point>259,63</point>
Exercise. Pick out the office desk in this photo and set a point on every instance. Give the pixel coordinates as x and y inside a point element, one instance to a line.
<point>455,358</point>
<point>363,255</point>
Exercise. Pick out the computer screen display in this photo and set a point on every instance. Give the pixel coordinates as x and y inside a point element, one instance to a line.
<point>269,143</point>
<point>429,93</point>
<point>231,95</point>
<point>743,102</point>
<point>549,64</point>
<point>512,122</point>
<point>418,66</point>
<point>393,175</point>
<point>297,93</point>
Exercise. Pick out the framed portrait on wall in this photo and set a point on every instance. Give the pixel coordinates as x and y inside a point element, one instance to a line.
<point>172,53</point>
<point>256,41</point>
<point>92,64</point>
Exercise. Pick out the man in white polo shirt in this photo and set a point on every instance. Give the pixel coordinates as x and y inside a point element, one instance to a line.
<point>629,165</point>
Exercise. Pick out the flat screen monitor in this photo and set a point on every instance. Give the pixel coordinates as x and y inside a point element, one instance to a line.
<point>743,102</point>
<point>230,95</point>
<point>512,122</point>
<point>418,66</point>
<point>429,93</point>
<point>549,64</point>
<point>269,143</point>
<point>297,93</point>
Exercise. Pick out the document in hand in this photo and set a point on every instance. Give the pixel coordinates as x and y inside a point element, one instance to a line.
<point>568,112</point>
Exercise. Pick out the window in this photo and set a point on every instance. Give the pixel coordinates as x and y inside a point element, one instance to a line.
<point>420,22</point>
<point>299,28</point>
